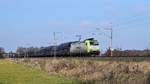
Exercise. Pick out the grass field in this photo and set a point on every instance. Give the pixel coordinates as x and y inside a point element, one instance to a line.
<point>12,73</point>
<point>103,70</point>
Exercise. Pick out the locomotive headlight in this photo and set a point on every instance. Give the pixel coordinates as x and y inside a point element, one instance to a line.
<point>95,48</point>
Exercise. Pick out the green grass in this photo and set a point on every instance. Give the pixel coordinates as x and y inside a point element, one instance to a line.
<point>12,73</point>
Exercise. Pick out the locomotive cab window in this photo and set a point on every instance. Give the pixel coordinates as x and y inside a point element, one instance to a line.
<point>94,43</point>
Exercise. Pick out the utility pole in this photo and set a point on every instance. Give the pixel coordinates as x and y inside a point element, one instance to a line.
<point>111,39</point>
<point>55,43</point>
<point>79,36</point>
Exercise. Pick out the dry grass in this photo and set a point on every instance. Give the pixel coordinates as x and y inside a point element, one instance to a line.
<point>105,72</point>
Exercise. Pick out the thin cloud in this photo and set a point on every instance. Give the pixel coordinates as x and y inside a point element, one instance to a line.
<point>142,8</point>
<point>57,24</point>
<point>93,24</point>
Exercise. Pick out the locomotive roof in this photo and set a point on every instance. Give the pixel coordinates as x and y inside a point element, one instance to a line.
<point>67,43</point>
<point>90,39</point>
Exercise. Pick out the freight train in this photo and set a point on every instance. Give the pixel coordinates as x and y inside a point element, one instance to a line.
<point>87,47</point>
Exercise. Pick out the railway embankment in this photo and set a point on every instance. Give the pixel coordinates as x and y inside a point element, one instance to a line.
<point>94,71</point>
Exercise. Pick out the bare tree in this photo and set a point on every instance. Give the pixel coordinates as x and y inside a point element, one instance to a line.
<point>2,51</point>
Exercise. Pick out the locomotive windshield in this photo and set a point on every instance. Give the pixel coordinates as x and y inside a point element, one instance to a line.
<point>94,42</point>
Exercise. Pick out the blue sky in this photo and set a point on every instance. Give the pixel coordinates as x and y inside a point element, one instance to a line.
<point>32,22</point>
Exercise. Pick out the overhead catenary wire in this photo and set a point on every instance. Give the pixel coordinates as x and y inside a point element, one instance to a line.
<point>112,27</point>
<point>124,23</point>
<point>128,22</point>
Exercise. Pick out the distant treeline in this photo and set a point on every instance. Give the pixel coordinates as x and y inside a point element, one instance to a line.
<point>120,52</point>
<point>2,51</point>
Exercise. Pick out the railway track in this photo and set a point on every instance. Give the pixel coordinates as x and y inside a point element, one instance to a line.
<point>114,58</point>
